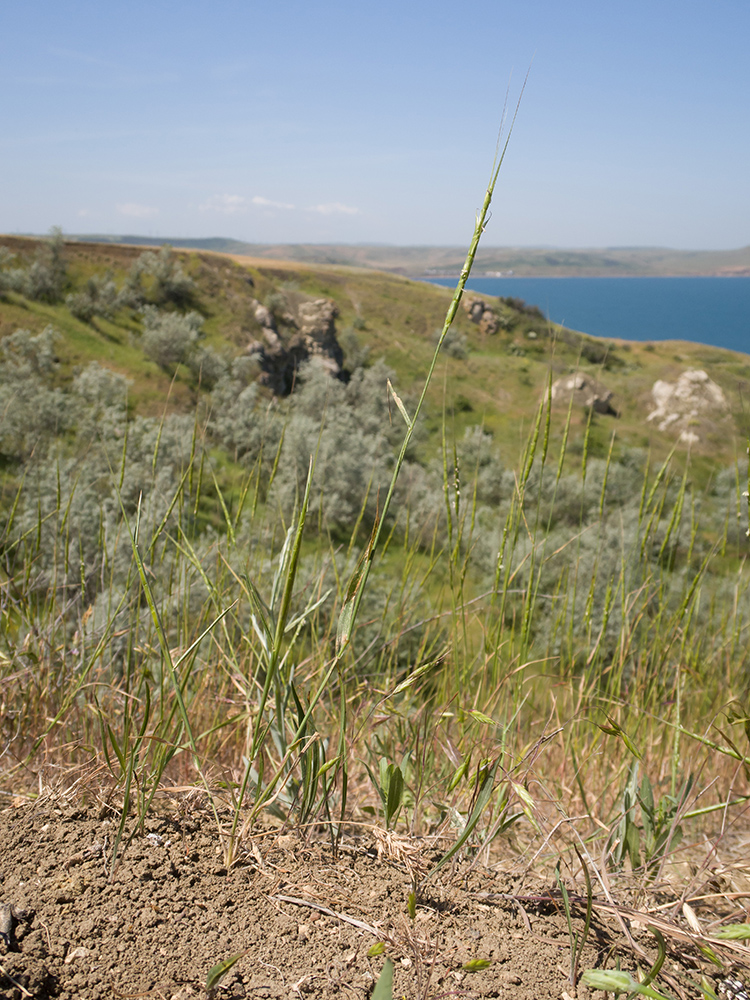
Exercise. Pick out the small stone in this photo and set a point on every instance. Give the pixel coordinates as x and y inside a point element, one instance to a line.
<point>508,979</point>
<point>75,953</point>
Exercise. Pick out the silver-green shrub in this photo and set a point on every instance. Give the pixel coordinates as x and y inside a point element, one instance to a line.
<point>46,277</point>
<point>30,408</point>
<point>168,337</point>
<point>99,298</point>
<point>158,278</point>
<point>346,427</point>
<point>241,421</point>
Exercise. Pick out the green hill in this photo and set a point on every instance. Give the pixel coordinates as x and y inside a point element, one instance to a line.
<point>494,379</point>
<point>558,605</point>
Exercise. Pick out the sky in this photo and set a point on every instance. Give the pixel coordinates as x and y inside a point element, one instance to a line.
<point>344,122</point>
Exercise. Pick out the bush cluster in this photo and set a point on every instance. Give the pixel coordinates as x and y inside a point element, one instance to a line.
<point>45,279</point>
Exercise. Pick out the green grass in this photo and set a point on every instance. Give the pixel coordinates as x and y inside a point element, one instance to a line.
<point>565,665</point>
<point>400,318</point>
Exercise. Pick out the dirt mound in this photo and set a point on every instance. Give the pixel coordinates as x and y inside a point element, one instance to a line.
<point>303,919</point>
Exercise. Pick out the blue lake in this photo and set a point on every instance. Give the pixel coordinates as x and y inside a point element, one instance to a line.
<point>712,311</point>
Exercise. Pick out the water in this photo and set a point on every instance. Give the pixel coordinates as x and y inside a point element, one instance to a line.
<point>713,311</point>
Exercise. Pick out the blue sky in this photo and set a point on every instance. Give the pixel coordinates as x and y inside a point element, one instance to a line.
<point>326,121</point>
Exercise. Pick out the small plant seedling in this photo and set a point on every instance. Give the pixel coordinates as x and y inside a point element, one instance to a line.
<point>616,982</point>
<point>218,971</point>
<point>476,965</point>
<point>389,784</point>
<point>384,986</point>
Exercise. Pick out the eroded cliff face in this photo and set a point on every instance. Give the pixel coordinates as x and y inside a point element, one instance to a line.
<point>298,329</point>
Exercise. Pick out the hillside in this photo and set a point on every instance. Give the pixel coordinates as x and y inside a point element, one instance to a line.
<point>419,261</point>
<point>494,379</point>
<point>214,627</point>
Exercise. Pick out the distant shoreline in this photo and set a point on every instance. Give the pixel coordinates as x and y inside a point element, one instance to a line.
<point>426,262</point>
<point>569,277</point>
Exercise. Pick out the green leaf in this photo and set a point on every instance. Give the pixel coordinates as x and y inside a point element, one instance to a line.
<point>613,729</point>
<point>476,965</point>
<point>459,774</point>
<point>217,973</point>
<point>613,981</point>
<point>394,795</point>
<point>711,955</point>
<point>384,986</point>
<point>377,949</point>
<point>733,932</point>
<point>411,905</point>
<point>487,774</point>
<point>610,981</point>
<point>325,768</point>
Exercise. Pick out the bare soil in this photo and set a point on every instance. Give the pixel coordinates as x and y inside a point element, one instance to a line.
<point>171,911</point>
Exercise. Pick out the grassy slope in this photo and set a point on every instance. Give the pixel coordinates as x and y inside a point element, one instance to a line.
<point>668,659</point>
<point>499,384</point>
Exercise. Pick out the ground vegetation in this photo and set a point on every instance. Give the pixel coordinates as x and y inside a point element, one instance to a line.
<point>445,631</point>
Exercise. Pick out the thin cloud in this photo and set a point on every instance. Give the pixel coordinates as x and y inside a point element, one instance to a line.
<point>334,208</point>
<point>225,204</point>
<point>267,203</point>
<point>136,211</point>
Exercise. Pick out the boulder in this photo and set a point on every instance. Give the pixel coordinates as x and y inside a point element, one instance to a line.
<point>489,324</point>
<point>474,307</point>
<point>479,312</point>
<point>693,405</point>
<point>585,391</point>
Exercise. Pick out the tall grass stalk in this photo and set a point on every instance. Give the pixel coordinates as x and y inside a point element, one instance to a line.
<point>274,657</point>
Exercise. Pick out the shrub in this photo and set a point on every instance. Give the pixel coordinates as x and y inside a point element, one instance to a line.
<point>456,344</point>
<point>9,277</point>
<point>158,278</point>
<point>45,279</point>
<point>168,338</point>
<point>521,307</point>
<point>99,298</point>
<point>237,420</point>
<point>481,464</point>
<point>356,354</point>
<point>207,366</point>
<point>30,408</point>
<point>345,426</point>
<point>103,397</point>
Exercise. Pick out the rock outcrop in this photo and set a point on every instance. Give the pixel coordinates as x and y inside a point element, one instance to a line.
<point>482,314</point>
<point>317,327</point>
<point>693,405</point>
<point>308,329</point>
<point>585,391</point>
